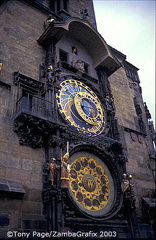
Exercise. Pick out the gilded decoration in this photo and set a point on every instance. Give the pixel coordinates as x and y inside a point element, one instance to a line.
<point>80,107</point>
<point>89,183</point>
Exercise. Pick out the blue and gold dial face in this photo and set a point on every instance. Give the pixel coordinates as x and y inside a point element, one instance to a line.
<point>80,107</point>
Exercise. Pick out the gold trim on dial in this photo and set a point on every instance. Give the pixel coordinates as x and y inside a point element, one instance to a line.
<point>80,107</point>
<point>96,111</point>
<point>89,183</point>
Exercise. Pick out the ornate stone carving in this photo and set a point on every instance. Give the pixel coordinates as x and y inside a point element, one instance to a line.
<point>84,13</point>
<point>129,211</point>
<point>69,209</point>
<point>121,159</point>
<point>20,78</point>
<point>30,130</point>
<point>37,133</point>
<point>141,124</point>
<point>148,115</point>
<point>55,141</point>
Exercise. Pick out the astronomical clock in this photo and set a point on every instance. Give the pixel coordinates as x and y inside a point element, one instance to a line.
<point>82,136</point>
<point>68,112</point>
<point>81,108</point>
<point>91,185</point>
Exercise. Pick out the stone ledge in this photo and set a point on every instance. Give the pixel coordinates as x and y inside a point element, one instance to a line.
<point>134,131</point>
<point>11,189</point>
<point>21,78</point>
<point>5,85</point>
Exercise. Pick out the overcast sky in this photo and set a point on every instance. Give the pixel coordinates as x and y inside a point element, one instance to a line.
<point>129,26</point>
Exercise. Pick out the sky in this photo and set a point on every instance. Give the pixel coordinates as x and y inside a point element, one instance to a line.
<point>129,27</point>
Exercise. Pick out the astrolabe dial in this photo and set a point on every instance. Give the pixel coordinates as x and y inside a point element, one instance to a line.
<point>80,107</point>
<point>88,108</point>
<point>89,184</point>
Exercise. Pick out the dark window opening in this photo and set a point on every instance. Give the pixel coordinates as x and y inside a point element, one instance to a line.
<point>63,56</point>
<point>86,67</point>
<point>65,2</point>
<point>52,6</point>
<point>27,96</point>
<point>27,99</point>
<point>57,5</point>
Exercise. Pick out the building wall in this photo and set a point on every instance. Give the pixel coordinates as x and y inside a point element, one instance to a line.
<point>139,164</point>
<point>21,27</point>
<point>75,6</point>
<point>123,102</point>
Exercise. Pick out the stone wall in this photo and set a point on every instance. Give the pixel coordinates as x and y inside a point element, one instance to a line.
<point>75,6</point>
<point>21,27</point>
<point>125,111</point>
<point>139,163</point>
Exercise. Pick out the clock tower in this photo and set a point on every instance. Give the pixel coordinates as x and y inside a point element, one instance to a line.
<point>76,135</point>
<point>82,134</point>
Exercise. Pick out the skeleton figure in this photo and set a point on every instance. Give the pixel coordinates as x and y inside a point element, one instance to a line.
<point>125,183</point>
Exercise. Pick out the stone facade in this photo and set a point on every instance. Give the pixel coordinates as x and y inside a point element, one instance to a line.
<point>29,140</point>
<point>139,164</point>
<point>21,27</point>
<point>75,8</point>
